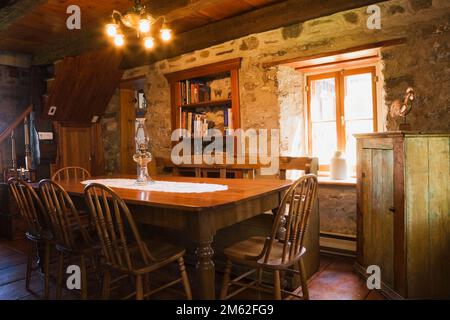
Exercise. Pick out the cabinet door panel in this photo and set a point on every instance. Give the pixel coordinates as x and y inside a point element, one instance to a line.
<point>365,204</point>
<point>428,216</point>
<point>439,215</point>
<point>378,219</point>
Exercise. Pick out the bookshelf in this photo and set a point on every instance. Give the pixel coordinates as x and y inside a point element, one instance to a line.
<point>208,94</point>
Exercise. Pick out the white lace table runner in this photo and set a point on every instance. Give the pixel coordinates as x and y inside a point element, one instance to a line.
<point>161,186</point>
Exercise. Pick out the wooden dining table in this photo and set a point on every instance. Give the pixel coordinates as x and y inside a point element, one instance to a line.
<point>198,215</point>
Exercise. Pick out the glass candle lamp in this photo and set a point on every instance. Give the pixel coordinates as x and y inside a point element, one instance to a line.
<point>142,156</point>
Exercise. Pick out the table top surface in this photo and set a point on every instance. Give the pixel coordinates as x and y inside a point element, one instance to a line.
<point>238,190</point>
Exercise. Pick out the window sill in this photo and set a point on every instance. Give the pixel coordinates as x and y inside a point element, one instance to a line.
<point>326,180</point>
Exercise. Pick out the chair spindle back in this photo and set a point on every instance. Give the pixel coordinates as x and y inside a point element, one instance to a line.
<point>69,173</point>
<point>115,227</point>
<point>65,223</point>
<point>296,207</point>
<point>29,204</point>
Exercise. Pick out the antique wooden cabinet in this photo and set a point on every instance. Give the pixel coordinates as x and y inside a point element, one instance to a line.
<point>403,212</point>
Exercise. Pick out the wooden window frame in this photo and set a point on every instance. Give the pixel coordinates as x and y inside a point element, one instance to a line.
<point>339,77</point>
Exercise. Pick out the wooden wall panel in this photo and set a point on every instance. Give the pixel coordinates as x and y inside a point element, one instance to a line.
<point>84,85</point>
<point>76,147</point>
<point>127,132</point>
<point>79,145</point>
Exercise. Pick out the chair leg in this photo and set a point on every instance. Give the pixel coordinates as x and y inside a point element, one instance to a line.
<point>59,277</point>
<point>226,281</point>
<point>259,279</point>
<point>84,283</point>
<point>146,283</point>
<point>277,285</point>
<point>304,281</point>
<point>29,265</point>
<point>139,288</point>
<point>106,284</point>
<point>184,276</point>
<point>47,270</point>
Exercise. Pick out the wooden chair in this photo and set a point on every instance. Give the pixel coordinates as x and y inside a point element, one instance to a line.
<point>69,173</point>
<point>32,210</point>
<point>123,249</point>
<point>70,234</point>
<point>306,164</point>
<point>272,254</point>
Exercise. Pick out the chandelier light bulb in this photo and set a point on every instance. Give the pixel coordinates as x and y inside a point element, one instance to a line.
<point>111,29</point>
<point>166,34</point>
<point>119,40</point>
<point>144,25</point>
<point>149,42</point>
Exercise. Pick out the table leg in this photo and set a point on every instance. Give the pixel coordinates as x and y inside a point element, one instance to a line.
<point>205,269</point>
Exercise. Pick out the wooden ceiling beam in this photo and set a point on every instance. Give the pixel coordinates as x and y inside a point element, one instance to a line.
<point>193,7</point>
<point>14,10</point>
<point>264,19</point>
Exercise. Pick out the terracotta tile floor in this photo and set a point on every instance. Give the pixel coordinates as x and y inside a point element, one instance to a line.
<point>335,279</point>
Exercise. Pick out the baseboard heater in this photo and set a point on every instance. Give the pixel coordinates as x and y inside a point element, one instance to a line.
<point>340,244</point>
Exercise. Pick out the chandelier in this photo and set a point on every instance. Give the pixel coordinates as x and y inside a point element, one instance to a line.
<point>142,22</point>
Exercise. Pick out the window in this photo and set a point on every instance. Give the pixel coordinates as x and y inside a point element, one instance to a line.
<point>340,104</point>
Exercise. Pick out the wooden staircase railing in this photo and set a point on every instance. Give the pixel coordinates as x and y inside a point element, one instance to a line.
<point>7,132</point>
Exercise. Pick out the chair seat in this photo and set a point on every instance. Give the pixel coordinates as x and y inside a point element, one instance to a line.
<point>163,253</point>
<point>247,251</point>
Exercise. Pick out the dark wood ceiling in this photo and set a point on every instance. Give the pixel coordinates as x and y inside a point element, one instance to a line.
<point>38,27</point>
<point>45,24</point>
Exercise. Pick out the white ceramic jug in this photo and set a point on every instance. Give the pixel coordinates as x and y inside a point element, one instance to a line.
<point>338,167</point>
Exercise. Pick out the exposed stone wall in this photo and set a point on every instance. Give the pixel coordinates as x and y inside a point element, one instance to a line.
<point>111,135</point>
<point>422,62</point>
<point>337,207</point>
<point>292,111</point>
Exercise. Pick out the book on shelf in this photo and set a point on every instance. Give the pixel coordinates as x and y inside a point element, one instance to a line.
<point>196,124</point>
<point>200,126</point>
<point>228,118</point>
<point>188,92</point>
<point>194,91</point>
<point>189,122</point>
